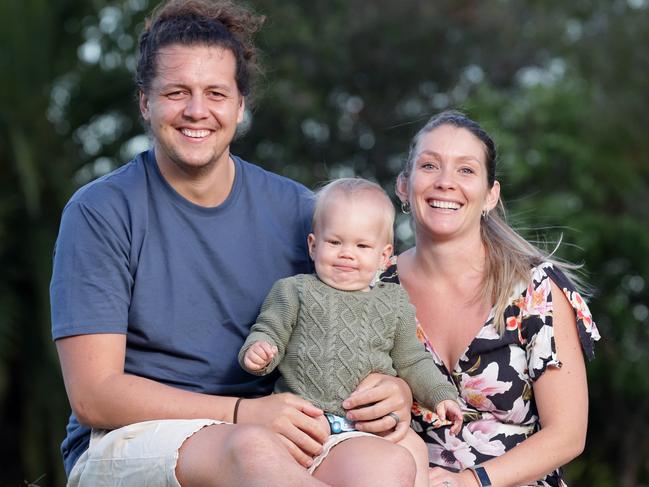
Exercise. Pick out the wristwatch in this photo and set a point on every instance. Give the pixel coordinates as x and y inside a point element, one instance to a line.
<point>481,476</point>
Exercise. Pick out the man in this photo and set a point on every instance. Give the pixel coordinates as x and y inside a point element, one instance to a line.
<point>159,271</point>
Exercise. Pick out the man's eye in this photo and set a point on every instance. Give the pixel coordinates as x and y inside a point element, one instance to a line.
<point>175,95</point>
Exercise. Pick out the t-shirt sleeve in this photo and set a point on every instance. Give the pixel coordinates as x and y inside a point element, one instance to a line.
<point>91,282</point>
<point>275,322</point>
<point>536,320</point>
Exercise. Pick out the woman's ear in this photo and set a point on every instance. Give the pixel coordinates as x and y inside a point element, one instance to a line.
<point>493,196</point>
<point>401,187</point>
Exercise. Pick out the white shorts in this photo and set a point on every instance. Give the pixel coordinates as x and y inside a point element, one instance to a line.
<point>146,453</point>
<point>135,455</point>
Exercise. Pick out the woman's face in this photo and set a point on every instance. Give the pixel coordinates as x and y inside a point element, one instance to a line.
<point>447,188</point>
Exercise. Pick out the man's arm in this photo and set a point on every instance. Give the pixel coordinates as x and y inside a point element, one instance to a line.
<point>103,396</point>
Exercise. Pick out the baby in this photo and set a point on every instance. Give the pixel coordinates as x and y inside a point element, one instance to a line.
<point>326,332</point>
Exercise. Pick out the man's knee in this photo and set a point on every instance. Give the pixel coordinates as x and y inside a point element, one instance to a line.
<point>252,447</point>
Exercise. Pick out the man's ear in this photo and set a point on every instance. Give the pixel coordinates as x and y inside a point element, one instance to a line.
<point>310,241</point>
<point>242,109</point>
<point>144,105</point>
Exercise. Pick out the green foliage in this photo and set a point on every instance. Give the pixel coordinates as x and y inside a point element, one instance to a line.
<point>561,86</point>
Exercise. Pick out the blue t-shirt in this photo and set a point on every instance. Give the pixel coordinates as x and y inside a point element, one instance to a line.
<point>183,282</point>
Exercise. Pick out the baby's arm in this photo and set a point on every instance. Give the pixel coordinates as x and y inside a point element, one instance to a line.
<point>273,327</point>
<point>416,366</point>
<point>259,355</point>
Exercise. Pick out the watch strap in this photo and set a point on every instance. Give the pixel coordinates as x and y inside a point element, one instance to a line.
<point>481,476</point>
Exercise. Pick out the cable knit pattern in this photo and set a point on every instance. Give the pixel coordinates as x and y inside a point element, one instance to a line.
<point>329,340</point>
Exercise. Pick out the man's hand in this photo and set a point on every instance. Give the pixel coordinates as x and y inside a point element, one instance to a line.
<point>374,398</point>
<point>259,355</point>
<point>298,423</point>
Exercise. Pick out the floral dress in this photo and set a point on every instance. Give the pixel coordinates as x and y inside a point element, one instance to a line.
<point>494,375</point>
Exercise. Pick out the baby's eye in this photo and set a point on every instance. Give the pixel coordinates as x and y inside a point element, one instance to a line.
<point>333,241</point>
<point>364,246</point>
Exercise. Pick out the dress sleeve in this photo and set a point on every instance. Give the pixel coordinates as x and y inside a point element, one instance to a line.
<point>536,315</point>
<point>275,322</point>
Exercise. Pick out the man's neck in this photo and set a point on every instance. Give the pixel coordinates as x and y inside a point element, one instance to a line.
<point>208,186</point>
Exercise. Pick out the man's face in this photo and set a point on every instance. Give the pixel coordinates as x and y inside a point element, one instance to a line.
<point>193,106</point>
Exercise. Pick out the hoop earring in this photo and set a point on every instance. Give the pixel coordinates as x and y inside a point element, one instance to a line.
<point>405,207</point>
<point>485,215</point>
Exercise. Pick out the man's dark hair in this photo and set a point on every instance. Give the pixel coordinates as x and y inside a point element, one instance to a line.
<point>200,22</point>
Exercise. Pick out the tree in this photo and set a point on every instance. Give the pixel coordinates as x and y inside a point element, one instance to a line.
<point>560,85</point>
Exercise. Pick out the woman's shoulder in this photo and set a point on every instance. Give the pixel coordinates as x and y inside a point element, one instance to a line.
<point>546,277</point>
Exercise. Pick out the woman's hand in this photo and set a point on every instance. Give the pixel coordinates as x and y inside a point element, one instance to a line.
<point>374,399</point>
<point>298,423</point>
<point>439,477</point>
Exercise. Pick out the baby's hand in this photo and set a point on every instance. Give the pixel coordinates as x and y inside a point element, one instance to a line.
<point>450,410</point>
<point>259,355</point>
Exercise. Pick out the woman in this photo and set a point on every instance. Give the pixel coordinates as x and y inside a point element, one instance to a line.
<point>504,321</point>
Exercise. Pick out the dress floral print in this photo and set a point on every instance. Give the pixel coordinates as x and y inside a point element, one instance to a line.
<point>494,375</point>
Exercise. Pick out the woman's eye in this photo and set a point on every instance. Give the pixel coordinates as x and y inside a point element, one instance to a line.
<point>467,170</point>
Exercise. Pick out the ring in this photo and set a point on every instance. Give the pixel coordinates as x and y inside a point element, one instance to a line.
<point>396,418</point>
<point>446,483</point>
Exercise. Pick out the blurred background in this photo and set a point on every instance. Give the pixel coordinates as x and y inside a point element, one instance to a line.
<point>562,86</point>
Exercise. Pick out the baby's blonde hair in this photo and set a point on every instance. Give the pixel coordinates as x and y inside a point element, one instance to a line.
<point>353,188</point>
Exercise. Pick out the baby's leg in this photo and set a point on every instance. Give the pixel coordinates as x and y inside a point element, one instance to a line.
<point>417,448</point>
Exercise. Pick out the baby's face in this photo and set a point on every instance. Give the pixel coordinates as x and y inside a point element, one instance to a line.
<point>349,244</point>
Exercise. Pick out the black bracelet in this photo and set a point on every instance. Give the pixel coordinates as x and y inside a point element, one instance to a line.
<point>236,410</point>
<point>481,476</point>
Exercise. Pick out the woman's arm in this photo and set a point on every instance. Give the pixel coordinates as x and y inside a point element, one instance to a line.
<point>561,396</point>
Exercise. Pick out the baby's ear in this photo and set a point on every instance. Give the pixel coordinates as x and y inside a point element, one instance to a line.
<point>310,241</point>
<point>386,253</point>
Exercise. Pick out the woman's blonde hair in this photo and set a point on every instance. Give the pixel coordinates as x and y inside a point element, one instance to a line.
<point>510,257</point>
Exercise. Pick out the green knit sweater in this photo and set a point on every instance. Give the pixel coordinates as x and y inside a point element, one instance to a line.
<point>329,340</point>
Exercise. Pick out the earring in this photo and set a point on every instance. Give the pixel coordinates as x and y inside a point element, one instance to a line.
<point>405,207</point>
<point>485,215</point>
